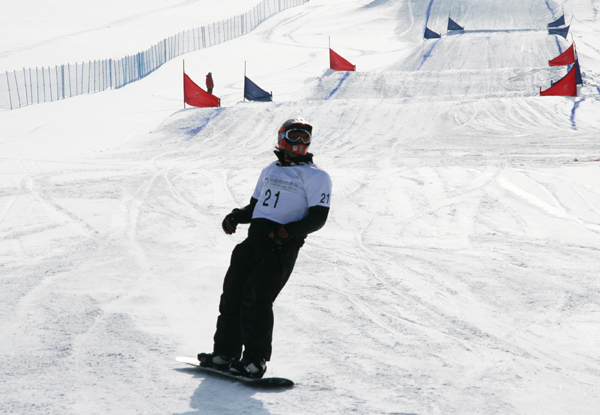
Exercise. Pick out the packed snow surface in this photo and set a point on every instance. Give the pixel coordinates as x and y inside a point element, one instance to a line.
<point>458,270</point>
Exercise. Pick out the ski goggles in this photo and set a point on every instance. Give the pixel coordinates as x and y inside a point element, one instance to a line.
<point>297,135</point>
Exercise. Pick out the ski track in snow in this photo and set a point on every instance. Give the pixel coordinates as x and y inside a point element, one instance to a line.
<point>456,273</point>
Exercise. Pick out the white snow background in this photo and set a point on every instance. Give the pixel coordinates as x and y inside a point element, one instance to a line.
<point>458,270</point>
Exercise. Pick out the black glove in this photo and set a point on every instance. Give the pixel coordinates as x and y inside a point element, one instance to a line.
<point>230,223</point>
<point>279,235</point>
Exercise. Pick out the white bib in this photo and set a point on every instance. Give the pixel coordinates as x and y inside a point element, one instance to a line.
<point>284,194</point>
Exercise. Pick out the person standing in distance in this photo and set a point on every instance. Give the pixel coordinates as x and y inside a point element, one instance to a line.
<point>209,83</point>
<point>291,200</point>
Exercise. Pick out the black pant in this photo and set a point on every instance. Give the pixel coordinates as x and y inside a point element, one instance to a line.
<point>258,271</point>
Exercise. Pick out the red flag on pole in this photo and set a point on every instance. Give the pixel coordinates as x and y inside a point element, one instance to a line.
<point>337,63</point>
<point>567,86</point>
<point>196,96</point>
<point>565,58</point>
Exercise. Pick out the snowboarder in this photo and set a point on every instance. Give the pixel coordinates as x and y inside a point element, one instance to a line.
<point>209,83</point>
<point>291,200</point>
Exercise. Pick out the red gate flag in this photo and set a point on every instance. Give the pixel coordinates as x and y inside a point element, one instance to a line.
<point>337,63</point>
<point>196,96</point>
<point>565,58</point>
<point>566,87</point>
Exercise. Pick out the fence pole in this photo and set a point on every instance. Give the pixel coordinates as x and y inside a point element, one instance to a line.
<point>30,86</point>
<point>25,80</point>
<point>44,83</point>
<point>37,84</point>
<point>17,86</point>
<point>50,84</point>
<point>9,94</point>
<point>27,97</point>
<point>68,75</point>
<point>57,82</point>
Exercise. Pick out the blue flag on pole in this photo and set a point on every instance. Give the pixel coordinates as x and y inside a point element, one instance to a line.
<point>452,25</point>
<point>578,72</point>
<point>558,22</point>
<point>253,92</point>
<point>563,31</point>
<point>430,34</point>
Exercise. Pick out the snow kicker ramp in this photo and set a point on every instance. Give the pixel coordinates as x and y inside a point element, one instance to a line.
<point>503,52</point>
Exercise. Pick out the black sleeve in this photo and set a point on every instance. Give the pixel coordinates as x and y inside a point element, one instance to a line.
<point>316,218</point>
<point>244,215</point>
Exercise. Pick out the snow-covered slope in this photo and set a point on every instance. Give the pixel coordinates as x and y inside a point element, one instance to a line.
<point>457,273</point>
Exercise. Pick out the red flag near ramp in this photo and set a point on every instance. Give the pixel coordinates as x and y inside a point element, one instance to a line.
<point>337,63</point>
<point>567,86</point>
<point>196,96</point>
<point>565,58</point>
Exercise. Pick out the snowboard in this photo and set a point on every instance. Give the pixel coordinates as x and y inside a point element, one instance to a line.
<point>262,382</point>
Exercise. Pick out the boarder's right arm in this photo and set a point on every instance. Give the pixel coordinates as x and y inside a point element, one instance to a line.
<point>243,215</point>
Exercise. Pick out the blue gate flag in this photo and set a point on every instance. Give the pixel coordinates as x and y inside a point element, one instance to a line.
<point>578,72</point>
<point>430,34</point>
<point>452,25</point>
<point>558,22</point>
<point>252,92</point>
<point>563,31</point>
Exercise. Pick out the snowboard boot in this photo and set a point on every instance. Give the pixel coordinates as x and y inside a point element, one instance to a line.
<point>249,368</point>
<point>215,361</point>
